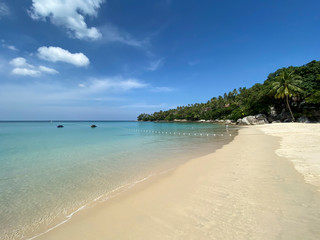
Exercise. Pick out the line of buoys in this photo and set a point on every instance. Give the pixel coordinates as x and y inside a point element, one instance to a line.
<point>184,134</point>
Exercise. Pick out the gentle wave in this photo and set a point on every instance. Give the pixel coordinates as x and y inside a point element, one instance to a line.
<point>104,197</point>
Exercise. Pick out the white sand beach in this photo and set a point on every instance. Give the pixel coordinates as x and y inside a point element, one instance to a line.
<point>249,189</point>
<point>301,144</point>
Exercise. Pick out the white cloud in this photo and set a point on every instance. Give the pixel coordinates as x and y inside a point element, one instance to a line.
<point>11,47</point>
<point>4,9</point>
<point>57,54</point>
<point>26,72</point>
<point>154,65</point>
<point>20,62</point>
<point>69,14</point>
<point>22,67</point>
<point>115,84</point>
<point>107,89</point>
<point>48,70</point>
<point>113,34</point>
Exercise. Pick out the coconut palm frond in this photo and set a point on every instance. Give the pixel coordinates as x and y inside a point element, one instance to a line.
<point>286,85</point>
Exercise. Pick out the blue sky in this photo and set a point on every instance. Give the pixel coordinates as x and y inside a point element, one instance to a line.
<point>112,60</point>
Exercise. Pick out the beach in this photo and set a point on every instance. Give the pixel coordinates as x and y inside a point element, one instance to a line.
<point>248,189</point>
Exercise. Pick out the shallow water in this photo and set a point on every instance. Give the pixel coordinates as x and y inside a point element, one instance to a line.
<point>47,173</point>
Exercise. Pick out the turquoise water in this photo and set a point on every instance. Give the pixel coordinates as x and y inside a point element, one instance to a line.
<point>47,173</point>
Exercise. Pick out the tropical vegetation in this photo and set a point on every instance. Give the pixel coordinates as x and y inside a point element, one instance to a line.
<point>287,85</point>
<point>296,89</point>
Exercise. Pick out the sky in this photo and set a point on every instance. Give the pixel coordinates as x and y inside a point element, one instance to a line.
<point>115,59</point>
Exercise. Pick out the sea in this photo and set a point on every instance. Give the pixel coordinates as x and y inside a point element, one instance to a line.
<point>48,174</point>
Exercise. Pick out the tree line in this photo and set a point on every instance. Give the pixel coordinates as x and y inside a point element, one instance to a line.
<point>293,89</point>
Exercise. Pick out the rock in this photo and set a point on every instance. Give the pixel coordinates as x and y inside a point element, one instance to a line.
<point>253,120</point>
<point>246,120</point>
<point>202,120</point>
<point>284,116</point>
<point>303,119</point>
<point>272,112</point>
<point>277,121</point>
<point>180,120</point>
<point>261,116</point>
<point>93,126</point>
<point>60,126</point>
<point>228,121</point>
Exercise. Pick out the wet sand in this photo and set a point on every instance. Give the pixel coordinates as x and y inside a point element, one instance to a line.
<point>242,191</point>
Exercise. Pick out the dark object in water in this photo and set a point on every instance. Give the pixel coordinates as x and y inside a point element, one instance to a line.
<point>60,126</point>
<point>93,126</point>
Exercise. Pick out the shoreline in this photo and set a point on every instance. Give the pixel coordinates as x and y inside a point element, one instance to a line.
<point>167,206</point>
<point>168,160</point>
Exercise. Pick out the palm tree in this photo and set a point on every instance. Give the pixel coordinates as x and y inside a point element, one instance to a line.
<point>287,85</point>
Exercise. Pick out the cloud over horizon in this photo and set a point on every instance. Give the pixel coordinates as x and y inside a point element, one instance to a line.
<point>57,54</point>
<point>69,14</point>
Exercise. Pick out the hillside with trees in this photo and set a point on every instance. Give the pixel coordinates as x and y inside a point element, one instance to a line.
<point>292,89</point>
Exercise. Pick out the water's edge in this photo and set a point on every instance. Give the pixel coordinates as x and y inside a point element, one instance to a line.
<point>201,150</point>
<point>121,190</point>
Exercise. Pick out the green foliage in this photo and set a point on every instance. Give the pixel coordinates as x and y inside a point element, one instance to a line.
<point>314,98</point>
<point>304,85</point>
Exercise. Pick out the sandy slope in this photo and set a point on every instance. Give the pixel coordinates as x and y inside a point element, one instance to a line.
<point>242,191</point>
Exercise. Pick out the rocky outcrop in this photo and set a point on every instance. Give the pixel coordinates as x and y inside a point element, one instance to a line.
<point>253,120</point>
<point>303,119</point>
